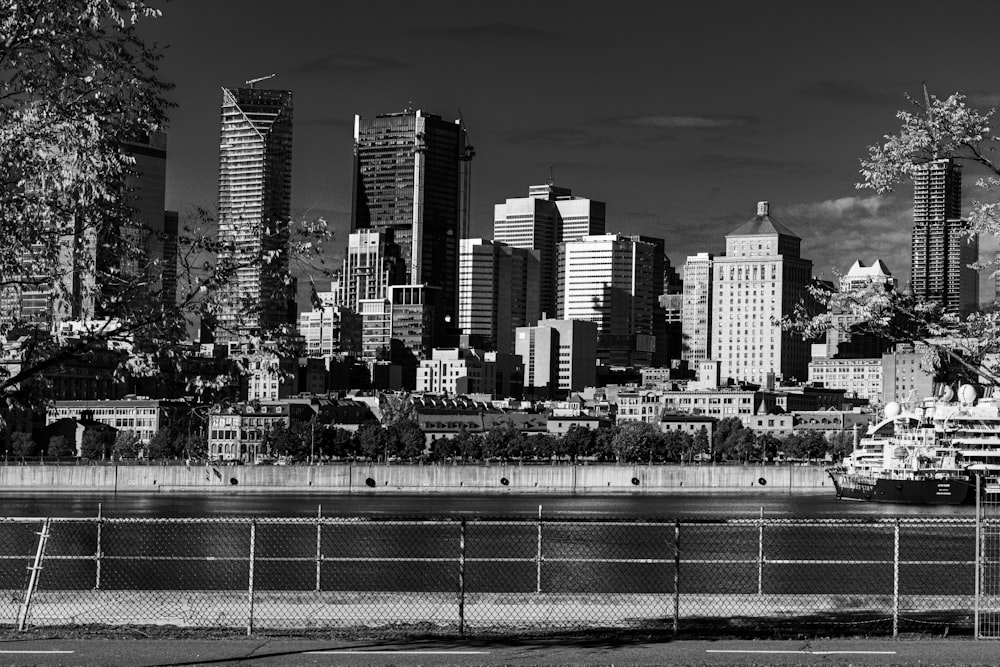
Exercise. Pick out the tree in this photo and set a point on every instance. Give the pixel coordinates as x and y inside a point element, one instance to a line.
<point>161,446</point>
<point>636,441</point>
<point>76,85</point>
<point>942,128</point>
<point>127,445</point>
<point>22,444</point>
<point>373,442</point>
<point>96,443</point>
<point>335,442</point>
<point>578,441</point>
<point>407,438</point>
<point>59,446</point>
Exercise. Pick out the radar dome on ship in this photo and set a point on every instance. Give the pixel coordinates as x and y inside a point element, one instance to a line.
<point>891,410</point>
<point>947,394</point>
<point>967,393</point>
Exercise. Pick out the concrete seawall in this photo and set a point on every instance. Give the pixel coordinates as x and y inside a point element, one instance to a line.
<point>447,479</point>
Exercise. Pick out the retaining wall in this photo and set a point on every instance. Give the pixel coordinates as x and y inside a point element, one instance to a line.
<point>449,479</point>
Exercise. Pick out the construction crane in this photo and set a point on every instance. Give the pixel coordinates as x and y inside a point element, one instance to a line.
<point>251,82</point>
<point>465,160</point>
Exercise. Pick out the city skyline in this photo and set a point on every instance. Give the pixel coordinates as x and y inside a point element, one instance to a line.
<point>679,135</point>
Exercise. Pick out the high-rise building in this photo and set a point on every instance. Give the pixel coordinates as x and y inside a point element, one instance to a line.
<point>370,266</point>
<point>412,178</point>
<point>255,195</point>
<point>547,216</point>
<point>497,292</point>
<point>942,251</point>
<point>610,280</point>
<point>559,356</point>
<point>696,315</point>
<point>760,279</point>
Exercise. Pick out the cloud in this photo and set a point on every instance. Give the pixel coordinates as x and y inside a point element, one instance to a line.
<point>564,138</point>
<point>991,100</point>
<point>502,31</point>
<point>676,122</point>
<point>341,62</point>
<point>857,93</point>
<point>839,207</point>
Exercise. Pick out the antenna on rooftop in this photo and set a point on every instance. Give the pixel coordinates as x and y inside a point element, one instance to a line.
<point>251,82</point>
<point>552,174</point>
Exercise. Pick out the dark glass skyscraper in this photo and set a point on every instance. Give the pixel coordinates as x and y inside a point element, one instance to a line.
<point>941,251</point>
<point>255,195</point>
<point>412,175</point>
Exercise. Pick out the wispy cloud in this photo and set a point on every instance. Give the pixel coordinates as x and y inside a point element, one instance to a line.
<point>984,99</point>
<point>559,138</point>
<point>857,93</point>
<point>343,62</point>
<point>504,31</point>
<point>682,122</point>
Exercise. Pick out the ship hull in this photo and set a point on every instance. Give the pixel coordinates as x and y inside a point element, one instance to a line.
<point>919,491</point>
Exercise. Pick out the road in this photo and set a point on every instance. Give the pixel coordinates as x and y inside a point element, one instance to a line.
<point>576,652</point>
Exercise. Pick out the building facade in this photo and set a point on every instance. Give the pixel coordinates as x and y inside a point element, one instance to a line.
<point>559,356</point>
<point>860,378</point>
<point>761,278</point>
<point>610,280</point>
<point>498,291</point>
<point>255,195</point>
<point>941,250</point>
<point>412,180</point>
<point>696,314</point>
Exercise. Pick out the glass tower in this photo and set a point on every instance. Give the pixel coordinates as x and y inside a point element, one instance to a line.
<point>255,192</point>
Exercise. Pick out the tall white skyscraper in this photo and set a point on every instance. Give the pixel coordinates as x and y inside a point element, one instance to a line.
<point>761,278</point>
<point>255,196</point>
<point>540,221</point>
<point>610,280</point>
<point>498,291</point>
<point>696,311</point>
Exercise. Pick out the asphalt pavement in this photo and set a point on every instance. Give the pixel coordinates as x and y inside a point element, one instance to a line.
<point>576,652</point>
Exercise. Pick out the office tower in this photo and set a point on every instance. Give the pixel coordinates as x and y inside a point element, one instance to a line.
<point>370,266</point>
<point>547,216</point>
<point>255,190</point>
<point>941,251</point>
<point>559,356</point>
<point>761,278</point>
<point>412,178</point>
<point>610,280</point>
<point>661,353</point>
<point>696,316</point>
<point>498,291</point>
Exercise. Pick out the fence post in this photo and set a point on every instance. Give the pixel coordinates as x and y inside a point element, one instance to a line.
<point>895,581</point>
<point>760,553</point>
<point>319,544</point>
<point>677,576</point>
<point>97,556</point>
<point>978,558</point>
<point>253,541</point>
<point>538,555</point>
<point>461,580</point>
<point>22,616</point>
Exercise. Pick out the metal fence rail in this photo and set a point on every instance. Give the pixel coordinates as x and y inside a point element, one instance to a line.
<point>260,575</point>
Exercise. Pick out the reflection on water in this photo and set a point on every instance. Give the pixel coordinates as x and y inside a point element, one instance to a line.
<point>682,506</point>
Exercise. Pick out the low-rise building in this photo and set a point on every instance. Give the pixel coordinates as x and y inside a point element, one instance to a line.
<point>688,423</point>
<point>644,406</point>
<point>143,416</point>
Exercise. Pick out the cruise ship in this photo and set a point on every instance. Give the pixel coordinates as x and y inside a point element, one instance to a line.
<point>934,452</point>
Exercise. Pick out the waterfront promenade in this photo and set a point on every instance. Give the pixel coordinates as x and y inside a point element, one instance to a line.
<point>362,478</point>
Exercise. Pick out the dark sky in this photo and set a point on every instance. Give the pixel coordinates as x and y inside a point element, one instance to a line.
<point>679,115</point>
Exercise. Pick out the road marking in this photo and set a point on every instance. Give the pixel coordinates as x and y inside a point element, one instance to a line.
<point>806,652</point>
<point>390,652</point>
<point>31,652</point>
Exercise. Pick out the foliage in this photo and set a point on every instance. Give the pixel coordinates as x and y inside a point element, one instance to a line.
<point>22,444</point>
<point>127,444</point>
<point>59,446</point>
<point>76,85</point>
<point>942,128</point>
<point>96,443</point>
<point>407,440</point>
<point>335,442</point>
<point>373,441</point>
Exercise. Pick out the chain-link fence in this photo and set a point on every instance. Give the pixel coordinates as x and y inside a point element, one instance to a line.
<point>259,575</point>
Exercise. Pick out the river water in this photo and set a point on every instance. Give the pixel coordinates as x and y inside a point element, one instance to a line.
<point>686,506</point>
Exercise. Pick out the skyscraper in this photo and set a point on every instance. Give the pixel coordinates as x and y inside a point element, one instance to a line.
<point>941,251</point>
<point>412,176</point>
<point>610,280</point>
<point>696,315</point>
<point>255,195</point>
<point>541,221</point>
<point>497,292</point>
<point>760,279</point>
